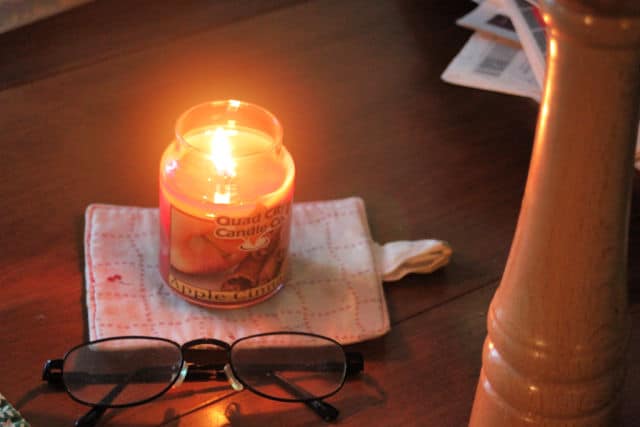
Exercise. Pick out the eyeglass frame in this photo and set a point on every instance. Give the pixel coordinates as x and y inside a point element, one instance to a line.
<point>53,372</point>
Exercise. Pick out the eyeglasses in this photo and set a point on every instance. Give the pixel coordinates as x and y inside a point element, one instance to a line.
<point>131,370</point>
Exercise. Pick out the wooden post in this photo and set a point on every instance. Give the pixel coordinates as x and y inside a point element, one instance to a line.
<point>558,325</point>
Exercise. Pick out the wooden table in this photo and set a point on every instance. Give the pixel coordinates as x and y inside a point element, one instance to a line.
<point>88,102</point>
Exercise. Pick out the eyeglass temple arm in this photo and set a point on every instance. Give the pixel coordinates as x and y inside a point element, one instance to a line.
<point>355,365</point>
<point>326,411</point>
<point>93,415</point>
<point>52,373</point>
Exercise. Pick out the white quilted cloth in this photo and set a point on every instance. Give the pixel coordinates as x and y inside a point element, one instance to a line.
<point>334,286</point>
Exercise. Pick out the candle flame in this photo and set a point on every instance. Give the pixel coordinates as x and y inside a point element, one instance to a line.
<point>220,151</point>
<point>222,158</point>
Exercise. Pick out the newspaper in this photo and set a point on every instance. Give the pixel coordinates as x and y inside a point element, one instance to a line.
<point>528,23</point>
<point>485,63</point>
<point>489,17</point>
<point>490,60</point>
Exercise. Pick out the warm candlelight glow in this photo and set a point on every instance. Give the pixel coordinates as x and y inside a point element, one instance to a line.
<point>226,190</point>
<point>218,416</point>
<point>553,49</point>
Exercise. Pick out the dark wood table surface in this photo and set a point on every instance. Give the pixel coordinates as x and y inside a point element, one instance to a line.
<point>88,100</point>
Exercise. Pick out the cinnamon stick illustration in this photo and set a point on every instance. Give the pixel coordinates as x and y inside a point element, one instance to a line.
<point>246,275</point>
<point>262,266</point>
<point>271,266</point>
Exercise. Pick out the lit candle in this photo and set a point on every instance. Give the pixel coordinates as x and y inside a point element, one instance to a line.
<point>226,188</point>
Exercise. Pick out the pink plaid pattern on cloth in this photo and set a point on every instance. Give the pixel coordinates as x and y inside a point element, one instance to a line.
<point>334,288</point>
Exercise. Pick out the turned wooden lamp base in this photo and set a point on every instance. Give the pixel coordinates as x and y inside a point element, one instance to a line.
<point>558,325</point>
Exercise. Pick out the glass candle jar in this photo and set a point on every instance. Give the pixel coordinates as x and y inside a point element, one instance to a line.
<point>226,189</point>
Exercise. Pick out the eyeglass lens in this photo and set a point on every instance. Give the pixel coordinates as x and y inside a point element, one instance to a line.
<point>289,366</point>
<point>121,371</point>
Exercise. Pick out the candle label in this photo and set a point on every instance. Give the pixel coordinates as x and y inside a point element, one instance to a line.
<point>226,260</point>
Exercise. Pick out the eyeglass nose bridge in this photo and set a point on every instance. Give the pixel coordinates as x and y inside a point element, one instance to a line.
<point>227,370</point>
<point>201,341</point>
<point>204,357</point>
